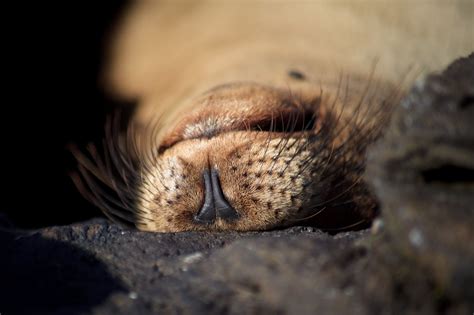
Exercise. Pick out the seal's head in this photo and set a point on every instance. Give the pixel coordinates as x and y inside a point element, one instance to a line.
<point>241,156</point>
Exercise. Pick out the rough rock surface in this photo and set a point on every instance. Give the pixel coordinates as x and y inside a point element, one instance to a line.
<point>100,268</point>
<point>423,173</point>
<point>417,258</point>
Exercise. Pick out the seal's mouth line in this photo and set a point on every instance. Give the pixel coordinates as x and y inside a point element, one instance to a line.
<point>288,121</point>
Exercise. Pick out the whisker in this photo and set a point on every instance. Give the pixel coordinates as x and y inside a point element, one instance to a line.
<point>310,216</point>
<point>350,226</point>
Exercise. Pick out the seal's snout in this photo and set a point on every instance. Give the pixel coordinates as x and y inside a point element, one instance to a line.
<point>215,204</point>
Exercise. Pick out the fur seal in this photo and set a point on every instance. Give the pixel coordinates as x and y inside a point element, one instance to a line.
<point>244,123</point>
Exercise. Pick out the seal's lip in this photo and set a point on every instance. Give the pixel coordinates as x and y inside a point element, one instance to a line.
<point>212,124</point>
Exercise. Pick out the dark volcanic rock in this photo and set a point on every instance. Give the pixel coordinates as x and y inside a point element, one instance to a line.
<point>423,173</point>
<point>100,268</point>
<point>43,275</point>
<point>418,258</point>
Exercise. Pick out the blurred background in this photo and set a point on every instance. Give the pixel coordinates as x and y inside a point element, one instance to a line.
<point>53,58</point>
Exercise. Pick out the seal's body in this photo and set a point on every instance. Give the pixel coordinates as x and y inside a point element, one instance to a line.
<point>257,116</point>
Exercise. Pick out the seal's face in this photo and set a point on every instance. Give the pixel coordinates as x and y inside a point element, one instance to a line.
<point>247,156</point>
<point>243,157</point>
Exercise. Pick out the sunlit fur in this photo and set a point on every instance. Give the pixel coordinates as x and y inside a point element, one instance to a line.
<point>282,159</point>
<point>216,87</point>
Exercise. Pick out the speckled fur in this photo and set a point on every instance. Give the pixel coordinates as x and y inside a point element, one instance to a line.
<point>215,93</point>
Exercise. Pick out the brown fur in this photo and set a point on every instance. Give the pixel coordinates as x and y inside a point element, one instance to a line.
<point>218,90</point>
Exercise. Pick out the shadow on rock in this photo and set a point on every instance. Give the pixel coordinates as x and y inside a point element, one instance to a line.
<point>39,276</point>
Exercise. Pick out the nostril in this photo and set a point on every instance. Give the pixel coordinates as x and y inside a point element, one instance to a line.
<point>215,204</point>
<point>207,214</point>
<point>223,208</point>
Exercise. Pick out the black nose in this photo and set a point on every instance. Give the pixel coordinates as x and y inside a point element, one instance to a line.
<point>215,205</point>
